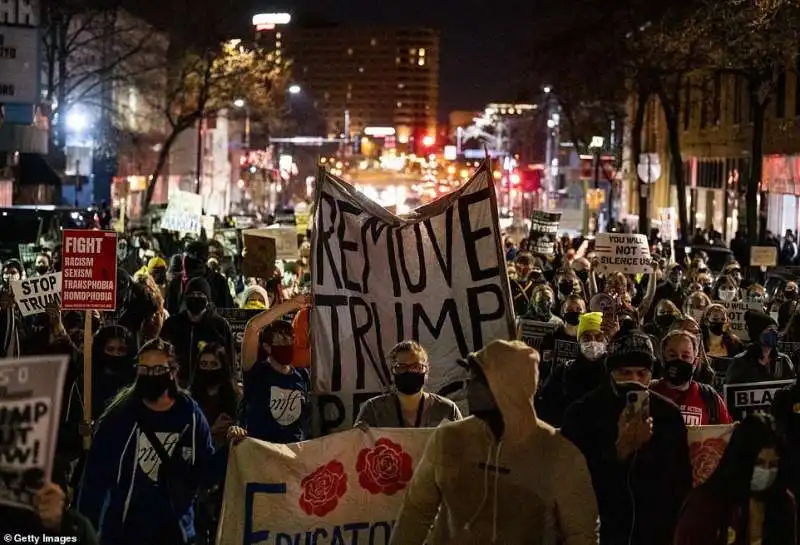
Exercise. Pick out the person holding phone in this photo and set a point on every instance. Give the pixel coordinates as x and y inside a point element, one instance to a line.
<point>635,445</point>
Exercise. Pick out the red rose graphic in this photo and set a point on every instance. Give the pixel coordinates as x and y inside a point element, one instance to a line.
<point>385,468</point>
<point>323,488</point>
<point>705,456</point>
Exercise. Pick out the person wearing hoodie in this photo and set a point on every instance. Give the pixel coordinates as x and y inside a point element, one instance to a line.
<point>150,454</point>
<point>197,322</point>
<point>408,406</point>
<point>255,298</point>
<point>194,265</point>
<point>501,476</point>
<point>761,361</point>
<point>570,382</point>
<point>640,465</point>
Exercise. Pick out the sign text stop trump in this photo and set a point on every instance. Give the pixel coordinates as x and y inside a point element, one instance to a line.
<point>89,280</point>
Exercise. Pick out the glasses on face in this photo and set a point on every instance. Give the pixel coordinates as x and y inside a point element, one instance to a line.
<point>153,370</point>
<point>416,367</point>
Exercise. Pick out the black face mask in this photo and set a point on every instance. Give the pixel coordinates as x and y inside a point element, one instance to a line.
<point>152,387</point>
<point>409,383</point>
<point>114,365</point>
<point>717,328</point>
<point>160,277</point>
<point>544,306</point>
<point>565,287</point>
<point>196,305</point>
<point>42,269</point>
<point>678,372</point>
<point>665,320</point>
<point>572,318</point>
<point>583,275</point>
<point>210,378</point>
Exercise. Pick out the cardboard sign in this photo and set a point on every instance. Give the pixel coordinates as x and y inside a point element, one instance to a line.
<point>344,488</point>
<point>629,254</point>
<point>184,213</point>
<point>90,270</point>
<point>533,332</point>
<point>565,351</point>
<point>736,311</point>
<point>258,256</point>
<point>707,444</point>
<point>743,399</point>
<point>763,256</point>
<point>669,228</point>
<point>544,230</point>
<point>438,278</point>
<point>30,408</point>
<point>286,247</point>
<point>34,294</point>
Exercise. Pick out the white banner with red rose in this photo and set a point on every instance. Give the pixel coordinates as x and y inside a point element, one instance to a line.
<point>706,445</point>
<point>343,488</point>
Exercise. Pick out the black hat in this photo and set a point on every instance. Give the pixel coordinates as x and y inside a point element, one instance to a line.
<point>757,322</point>
<point>631,348</point>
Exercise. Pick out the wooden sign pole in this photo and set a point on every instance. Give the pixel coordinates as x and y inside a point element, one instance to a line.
<point>87,380</point>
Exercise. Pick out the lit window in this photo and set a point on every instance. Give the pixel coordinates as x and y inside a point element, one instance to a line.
<point>412,51</point>
<point>401,85</point>
<point>397,60</point>
<point>421,61</point>
<point>278,44</point>
<point>399,104</point>
<point>373,42</point>
<point>349,95</point>
<point>278,35</point>
<point>360,69</point>
<point>350,51</point>
<point>422,52</point>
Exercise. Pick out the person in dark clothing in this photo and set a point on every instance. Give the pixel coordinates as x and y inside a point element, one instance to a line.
<point>197,322</point>
<point>671,290</point>
<point>787,417</point>
<point>194,265</point>
<point>640,465</point>
<point>789,304</point>
<point>746,500</point>
<point>572,381</point>
<point>761,361</point>
<point>134,305</point>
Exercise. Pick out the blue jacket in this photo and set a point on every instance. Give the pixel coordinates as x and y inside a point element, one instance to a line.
<point>125,492</point>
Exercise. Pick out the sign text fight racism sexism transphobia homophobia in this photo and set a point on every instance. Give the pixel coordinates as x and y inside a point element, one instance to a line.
<point>89,280</point>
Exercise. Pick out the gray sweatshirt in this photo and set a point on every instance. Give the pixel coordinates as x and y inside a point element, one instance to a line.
<point>384,411</point>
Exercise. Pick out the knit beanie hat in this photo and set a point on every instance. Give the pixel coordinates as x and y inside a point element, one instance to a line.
<point>630,348</point>
<point>757,322</point>
<point>590,321</point>
<point>200,284</point>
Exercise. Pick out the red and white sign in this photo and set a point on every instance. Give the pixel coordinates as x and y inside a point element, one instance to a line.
<point>89,279</point>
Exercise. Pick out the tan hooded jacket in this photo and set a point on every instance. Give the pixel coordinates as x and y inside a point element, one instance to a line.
<point>531,488</point>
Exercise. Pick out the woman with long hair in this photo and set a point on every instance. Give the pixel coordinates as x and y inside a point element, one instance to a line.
<point>215,390</point>
<point>745,501</point>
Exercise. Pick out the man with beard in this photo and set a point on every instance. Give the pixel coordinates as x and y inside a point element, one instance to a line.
<point>637,453</point>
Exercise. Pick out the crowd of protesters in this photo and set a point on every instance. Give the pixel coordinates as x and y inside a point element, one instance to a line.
<point>561,444</point>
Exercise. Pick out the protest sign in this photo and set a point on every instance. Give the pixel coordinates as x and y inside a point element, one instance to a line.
<point>565,351</point>
<point>706,446</point>
<point>258,256</point>
<point>343,488</point>
<point>89,270</point>
<point>237,319</point>
<point>744,399</point>
<point>438,278</point>
<point>34,294</point>
<point>736,311</point>
<point>669,228</point>
<point>544,230</point>
<point>183,213</point>
<point>286,247</point>
<point>30,405</point>
<point>533,332</point>
<point>629,254</point>
<point>720,366</point>
<point>763,256</point>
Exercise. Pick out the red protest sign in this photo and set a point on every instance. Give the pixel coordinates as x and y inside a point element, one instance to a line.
<point>89,271</point>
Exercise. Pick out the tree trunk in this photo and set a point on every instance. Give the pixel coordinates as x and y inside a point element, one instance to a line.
<point>756,169</point>
<point>636,150</point>
<point>163,155</point>
<point>671,113</point>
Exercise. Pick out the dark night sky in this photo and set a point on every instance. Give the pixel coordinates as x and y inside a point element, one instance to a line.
<point>484,48</point>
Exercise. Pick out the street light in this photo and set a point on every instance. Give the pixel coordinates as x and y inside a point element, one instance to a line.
<point>239,103</point>
<point>295,89</point>
<point>77,120</point>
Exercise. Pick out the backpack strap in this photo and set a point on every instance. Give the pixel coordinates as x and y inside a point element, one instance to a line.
<point>709,396</point>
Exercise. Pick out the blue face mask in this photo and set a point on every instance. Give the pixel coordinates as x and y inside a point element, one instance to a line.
<point>769,338</point>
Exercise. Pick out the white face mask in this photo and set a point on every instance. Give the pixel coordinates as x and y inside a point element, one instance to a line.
<point>593,350</point>
<point>762,478</point>
<point>727,295</point>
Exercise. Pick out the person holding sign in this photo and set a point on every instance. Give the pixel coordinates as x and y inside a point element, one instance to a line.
<point>745,501</point>
<point>501,476</point>
<point>409,406</point>
<point>761,361</point>
<point>700,404</point>
<point>150,454</point>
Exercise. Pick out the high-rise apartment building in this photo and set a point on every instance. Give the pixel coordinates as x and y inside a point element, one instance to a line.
<point>364,76</point>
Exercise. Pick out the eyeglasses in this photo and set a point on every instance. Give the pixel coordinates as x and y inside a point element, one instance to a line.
<point>418,367</point>
<point>153,370</point>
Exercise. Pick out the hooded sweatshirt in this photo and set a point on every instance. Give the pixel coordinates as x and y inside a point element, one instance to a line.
<point>125,492</point>
<point>185,334</point>
<point>527,488</point>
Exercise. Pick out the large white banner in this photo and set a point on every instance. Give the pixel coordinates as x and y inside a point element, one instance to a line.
<point>438,277</point>
<point>343,488</point>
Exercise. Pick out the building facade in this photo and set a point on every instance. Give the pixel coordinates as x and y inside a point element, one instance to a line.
<point>363,76</point>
